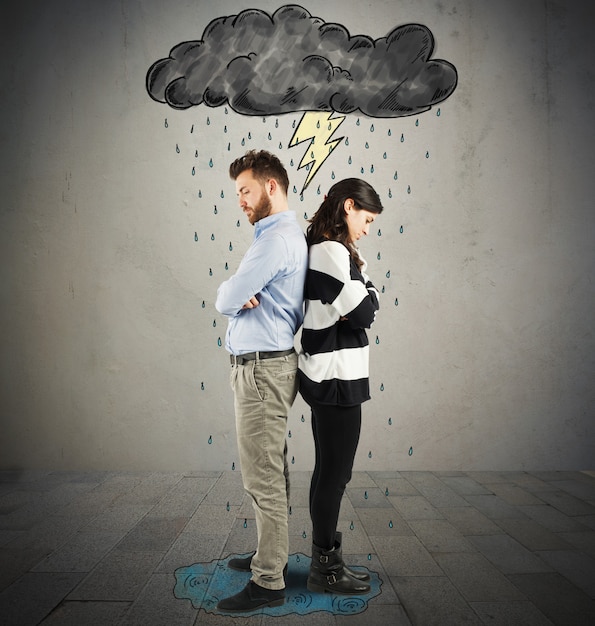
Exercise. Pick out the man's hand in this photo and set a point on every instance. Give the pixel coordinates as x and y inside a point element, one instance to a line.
<point>252,303</point>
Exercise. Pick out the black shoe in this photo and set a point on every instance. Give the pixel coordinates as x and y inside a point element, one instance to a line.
<point>327,574</point>
<point>241,565</point>
<point>244,565</point>
<point>251,598</point>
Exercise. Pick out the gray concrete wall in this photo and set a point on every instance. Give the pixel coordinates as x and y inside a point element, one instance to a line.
<point>114,236</point>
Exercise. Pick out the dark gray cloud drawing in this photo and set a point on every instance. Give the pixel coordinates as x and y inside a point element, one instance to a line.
<point>290,61</point>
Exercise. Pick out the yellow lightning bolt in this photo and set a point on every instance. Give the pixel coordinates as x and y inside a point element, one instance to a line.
<point>317,127</point>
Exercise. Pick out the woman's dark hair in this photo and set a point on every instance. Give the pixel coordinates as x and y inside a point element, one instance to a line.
<point>329,222</point>
<point>264,166</point>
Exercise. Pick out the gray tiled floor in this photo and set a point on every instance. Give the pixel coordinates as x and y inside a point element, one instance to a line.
<point>455,548</point>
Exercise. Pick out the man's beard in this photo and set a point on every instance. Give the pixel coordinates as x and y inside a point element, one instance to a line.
<point>261,210</point>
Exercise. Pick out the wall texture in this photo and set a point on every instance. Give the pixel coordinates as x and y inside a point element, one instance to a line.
<point>118,222</point>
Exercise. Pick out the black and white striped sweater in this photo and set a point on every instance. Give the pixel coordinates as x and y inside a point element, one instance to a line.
<point>341,303</point>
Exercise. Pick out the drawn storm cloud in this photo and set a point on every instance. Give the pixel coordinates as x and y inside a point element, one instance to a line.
<point>261,64</point>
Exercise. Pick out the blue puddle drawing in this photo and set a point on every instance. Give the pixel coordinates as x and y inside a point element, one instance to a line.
<point>204,584</point>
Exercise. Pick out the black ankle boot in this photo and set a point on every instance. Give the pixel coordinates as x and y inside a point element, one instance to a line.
<point>327,573</point>
<point>352,573</point>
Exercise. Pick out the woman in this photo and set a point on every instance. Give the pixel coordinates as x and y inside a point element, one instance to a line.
<point>341,303</point>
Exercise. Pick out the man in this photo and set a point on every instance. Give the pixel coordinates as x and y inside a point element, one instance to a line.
<point>264,303</point>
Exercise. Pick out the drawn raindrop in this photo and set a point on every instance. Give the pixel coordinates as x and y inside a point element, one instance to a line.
<point>293,460</point>
<point>390,421</point>
<point>358,122</point>
<point>238,223</point>
<point>304,534</point>
<point>249,135</point>
<point>401,230</point>
<point>318,191</point>
<point>367,146</point>
<point>386,492</point>
<point>270,137</point>
<point>388,274</point>
<point>349,160</point>
<point>222,194</point>
<point>219,341</point>
<point>212,236</point>
<point>390,193</point>
<point>377,340</point>
<point>362,170</point>
<point>417,122</point>
<point>411,451</point>
<point>210,162</point>
<point>390,524</point>
<point>202,386</point>
<point>277,123</point>
<point>177,149</point>
<point>390,132</point>
<point>351,526</point>
<point>372,169</point>
<point>427,154</point>
<point>225,128</point>
<point>245,523</point>
<point>196,154</point>
<point>369,557</point>
<point>208,121</point>
<point>381,386</point>
<point>396,301</point>
<point>289,434</point>
<point>384,156</point>
<point>370,454</point>
<point>210,439</point>
<point>396,176</point>
<point>203,304</point>
<point>333,175</point>
<point>233,466</point>
<point>230,246</point>
<point>210,271</point>
<point>214,323</point>
<point>215,210</point>
<point>408,188</point>
<point>200,193</point>
<point>227,506</point>
<point>226,265</point>
<point>243,141</point>
<point>346,141</point>
<point>297,558</point>
<point>383,289</point>
<point>378,256</point>
<point>290,511</point>
<point>365,495</point>
<point>305,216</point>
<point>303,419</point>
<point>372,128</point>
<point>192,129</point>
<point>379,233</point>
<point>166,124</point>
<point>438,113</point>
<point>280,146</point>
<point>402,137</point>
<point>195,236</point>
<point>193,170</point>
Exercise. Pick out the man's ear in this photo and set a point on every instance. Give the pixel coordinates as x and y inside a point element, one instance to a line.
<point>271,186</point>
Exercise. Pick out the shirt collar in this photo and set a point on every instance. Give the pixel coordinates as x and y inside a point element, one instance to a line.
<point>266,222</point>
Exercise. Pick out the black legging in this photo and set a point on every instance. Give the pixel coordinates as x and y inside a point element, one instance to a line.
<point>336,431</point>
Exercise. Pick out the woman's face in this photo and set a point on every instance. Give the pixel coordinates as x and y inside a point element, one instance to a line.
<point>358,220</point>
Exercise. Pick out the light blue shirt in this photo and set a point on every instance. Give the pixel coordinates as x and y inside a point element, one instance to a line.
<point>274,270</point>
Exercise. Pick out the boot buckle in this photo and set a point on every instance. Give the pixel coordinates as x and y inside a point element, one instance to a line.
<point>331,579</point>
<point>323,558</point>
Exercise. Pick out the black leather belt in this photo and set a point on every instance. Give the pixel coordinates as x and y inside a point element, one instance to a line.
<point>257,356</point>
